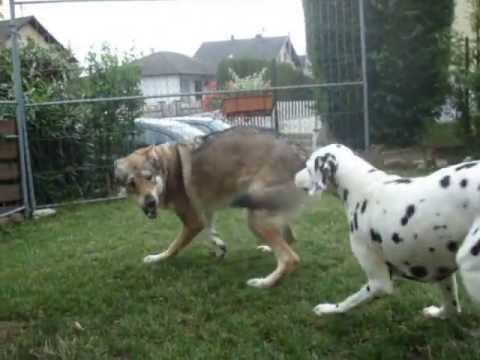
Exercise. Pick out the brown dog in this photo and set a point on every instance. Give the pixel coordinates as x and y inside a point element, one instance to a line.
<point>240,167</point>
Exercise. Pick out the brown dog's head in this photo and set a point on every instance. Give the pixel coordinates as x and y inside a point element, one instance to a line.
<point>144,175</point>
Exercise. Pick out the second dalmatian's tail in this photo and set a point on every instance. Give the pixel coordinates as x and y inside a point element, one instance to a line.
<point>468,260</point>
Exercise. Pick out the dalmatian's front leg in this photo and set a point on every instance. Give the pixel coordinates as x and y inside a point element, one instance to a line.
<point>451,305</point>
<point>379,282</point>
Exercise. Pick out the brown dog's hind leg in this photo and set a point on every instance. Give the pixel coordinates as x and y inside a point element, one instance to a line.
<point>287,235</point>
<point>271,231</point>
<point>189,231</point>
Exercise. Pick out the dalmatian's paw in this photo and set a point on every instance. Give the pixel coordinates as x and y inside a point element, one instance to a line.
<point>435,312</point>
<point>324,309</point>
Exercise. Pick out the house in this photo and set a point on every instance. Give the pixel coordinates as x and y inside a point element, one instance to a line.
<point>166,73</point>
<point>28,28</point>
<point>280,48</point>
<point>306,66</point>
<point>3,10</point>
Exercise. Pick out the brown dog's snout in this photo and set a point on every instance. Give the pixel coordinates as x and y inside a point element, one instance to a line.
<point>150,206</point>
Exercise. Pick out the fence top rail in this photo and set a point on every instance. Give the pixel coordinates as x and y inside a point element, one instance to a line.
<point>200,93</point>
<point>7,102</point>
<point>36,2</point>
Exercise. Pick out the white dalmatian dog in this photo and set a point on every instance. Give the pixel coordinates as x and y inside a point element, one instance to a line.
<point>421,228</point>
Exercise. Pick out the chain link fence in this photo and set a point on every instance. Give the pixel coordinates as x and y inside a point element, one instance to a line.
<point>65,149</point>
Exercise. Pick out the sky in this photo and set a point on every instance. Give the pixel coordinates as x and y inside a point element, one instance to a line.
<point>169,25</point>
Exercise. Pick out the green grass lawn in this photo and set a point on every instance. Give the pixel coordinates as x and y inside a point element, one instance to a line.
<point>74,286</point>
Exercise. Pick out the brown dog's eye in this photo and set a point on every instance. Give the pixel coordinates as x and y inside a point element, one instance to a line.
<point>131,184</point>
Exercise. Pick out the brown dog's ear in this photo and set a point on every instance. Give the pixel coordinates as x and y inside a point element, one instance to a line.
<point>154,158</point>
<point>152,154</point>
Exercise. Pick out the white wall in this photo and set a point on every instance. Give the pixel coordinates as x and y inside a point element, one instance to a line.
<point>4,9</point>
<point>28,32</point>
<point>461,23</point>
<point>160,85</point>
<point>285,55</point>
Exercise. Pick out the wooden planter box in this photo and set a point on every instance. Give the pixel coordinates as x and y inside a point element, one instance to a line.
<point>248,105</point>
<point>9,174</point>
<point>8,143</point>
<point>8,127</point>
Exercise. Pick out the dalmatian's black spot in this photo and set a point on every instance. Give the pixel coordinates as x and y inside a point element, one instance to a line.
<point>368,288</point>
<point>345,195</point>
<point>357,206</point>
<point>408,214</point>
<point>475,231</point>
<point>475,250</point>
<point>376,237</point>
<point>423,200</point>
<point>431,249</point>
<point>336,305</point>
<point>338,146</point>
<point>355,221</point>
<point>364,206</point>
<point>440,227</point>
<point>464,183</point>
<point>445,182</point>
<point>466,166</point>
<point>437,214</point>
<point>352,229</point>
<point>415,236</point>
<point>419,271</point>
<point>384,211</point>
<point>372,170</point>
<point>396,238</point>
<point>399,181</point>
<point>452,246</point>
<point>465,204</point>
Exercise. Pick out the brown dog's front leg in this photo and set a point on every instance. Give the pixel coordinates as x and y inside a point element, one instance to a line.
<point>189,231</point>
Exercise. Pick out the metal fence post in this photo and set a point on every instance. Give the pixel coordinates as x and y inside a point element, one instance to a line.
<point>274,95</point>
<point>366,117</point>
<point>26,170</point>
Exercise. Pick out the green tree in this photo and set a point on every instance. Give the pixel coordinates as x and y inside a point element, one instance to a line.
<point>408,51</point>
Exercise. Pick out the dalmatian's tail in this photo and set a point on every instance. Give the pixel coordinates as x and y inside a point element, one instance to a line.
<point>468,260</point>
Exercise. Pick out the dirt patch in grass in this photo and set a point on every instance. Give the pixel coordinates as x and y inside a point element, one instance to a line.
<point>10,330</point>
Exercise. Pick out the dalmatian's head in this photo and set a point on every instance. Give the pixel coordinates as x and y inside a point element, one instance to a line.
<point>319,171</point>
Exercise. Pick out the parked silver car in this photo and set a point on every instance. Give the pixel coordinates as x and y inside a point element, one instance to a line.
<point>151,131</point>
<point>206,124</point>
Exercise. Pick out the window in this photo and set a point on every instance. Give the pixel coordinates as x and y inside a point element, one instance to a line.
<point>198,88</point>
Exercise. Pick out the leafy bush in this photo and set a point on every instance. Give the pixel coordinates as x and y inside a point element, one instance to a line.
<point>286,74</point>
<point>255,81</point>
<point>73,146</point>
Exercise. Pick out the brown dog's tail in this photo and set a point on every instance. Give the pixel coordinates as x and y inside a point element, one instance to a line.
<point>272,198</point>
<point>468,260</point>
